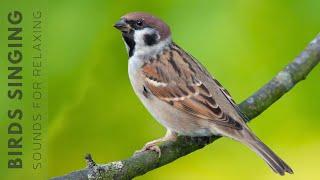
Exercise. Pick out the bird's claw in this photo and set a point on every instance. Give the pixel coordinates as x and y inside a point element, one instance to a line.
<point>150,147</point>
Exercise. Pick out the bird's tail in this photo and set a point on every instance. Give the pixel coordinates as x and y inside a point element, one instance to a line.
<point>274,161</point>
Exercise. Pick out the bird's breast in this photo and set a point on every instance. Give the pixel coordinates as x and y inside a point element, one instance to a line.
<point>135,75</point>
<point>165,114</point>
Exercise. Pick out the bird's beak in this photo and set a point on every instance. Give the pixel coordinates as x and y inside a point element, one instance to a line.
<point>122,26</point>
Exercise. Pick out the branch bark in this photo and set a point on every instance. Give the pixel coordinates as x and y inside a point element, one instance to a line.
<point>141,163</point>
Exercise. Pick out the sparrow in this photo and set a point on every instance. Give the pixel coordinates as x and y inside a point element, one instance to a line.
<point>179,92</point>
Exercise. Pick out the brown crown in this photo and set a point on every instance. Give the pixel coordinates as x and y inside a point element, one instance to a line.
<point>151,21</point>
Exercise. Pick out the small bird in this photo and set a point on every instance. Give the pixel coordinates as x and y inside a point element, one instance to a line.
<point>179,92</point>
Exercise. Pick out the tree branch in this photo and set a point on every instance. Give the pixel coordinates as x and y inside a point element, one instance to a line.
<point>141,163</point>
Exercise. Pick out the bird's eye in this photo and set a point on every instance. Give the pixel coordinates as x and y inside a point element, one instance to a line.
<point>139,22</point>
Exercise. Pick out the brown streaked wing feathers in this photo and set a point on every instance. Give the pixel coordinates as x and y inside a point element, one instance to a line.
<point>173,81</point>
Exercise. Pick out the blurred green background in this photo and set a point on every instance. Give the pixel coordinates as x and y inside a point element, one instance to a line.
<point>93,109</point>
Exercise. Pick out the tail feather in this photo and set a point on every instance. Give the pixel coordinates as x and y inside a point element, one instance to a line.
<point>274,161</point>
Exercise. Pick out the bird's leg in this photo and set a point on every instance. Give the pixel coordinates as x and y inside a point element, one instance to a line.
<point>153,145</point>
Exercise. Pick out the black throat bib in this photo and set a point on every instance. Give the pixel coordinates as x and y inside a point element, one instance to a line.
<point>129,40</point>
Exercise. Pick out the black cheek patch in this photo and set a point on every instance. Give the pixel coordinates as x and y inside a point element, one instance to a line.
<point>150,39</point>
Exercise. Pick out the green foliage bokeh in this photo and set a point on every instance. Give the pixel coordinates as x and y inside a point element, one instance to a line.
<point>92,107</point>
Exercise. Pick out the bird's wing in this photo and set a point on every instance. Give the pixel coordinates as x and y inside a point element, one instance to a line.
<point>173,78</point>
<point>231,101</point>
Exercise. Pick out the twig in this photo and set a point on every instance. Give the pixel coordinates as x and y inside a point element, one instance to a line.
<point>253,106</point>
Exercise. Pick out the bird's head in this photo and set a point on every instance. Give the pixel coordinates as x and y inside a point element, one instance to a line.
<point>142,31</point>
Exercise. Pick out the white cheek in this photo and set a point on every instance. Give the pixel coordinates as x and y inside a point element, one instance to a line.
<point>141,49</point>
<point>139,36</point>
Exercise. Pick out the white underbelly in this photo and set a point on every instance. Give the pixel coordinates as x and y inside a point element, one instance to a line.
<point>165,114</point>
